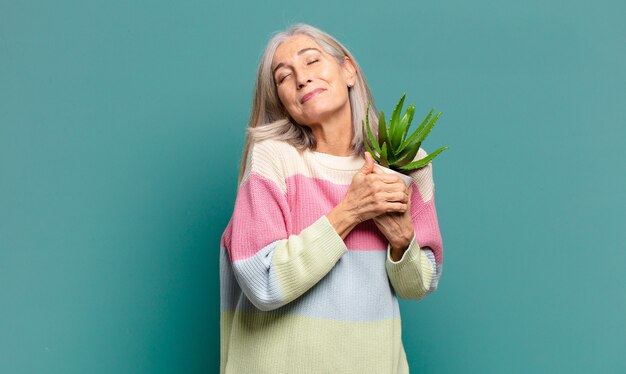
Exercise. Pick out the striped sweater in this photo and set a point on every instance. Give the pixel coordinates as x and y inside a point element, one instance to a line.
<point>295,297</point>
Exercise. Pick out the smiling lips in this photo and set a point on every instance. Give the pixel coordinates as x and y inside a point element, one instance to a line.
<point>310,95</point>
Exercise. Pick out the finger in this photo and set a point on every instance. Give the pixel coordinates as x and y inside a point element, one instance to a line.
<point>400,197</point>
<point>386,177</point>
<point>378,170</point>
<point>368,166</point>
<point>395,207</point>
<point>397,186</point>
<point>389,177</point>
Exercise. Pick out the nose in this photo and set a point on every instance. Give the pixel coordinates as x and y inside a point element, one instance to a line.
<point>303,80</point>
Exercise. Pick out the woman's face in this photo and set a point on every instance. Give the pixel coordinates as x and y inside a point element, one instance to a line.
<point>311,85</point>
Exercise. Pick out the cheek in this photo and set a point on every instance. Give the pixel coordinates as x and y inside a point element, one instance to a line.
<point>282,98</point>
<point>329,75</point>
<point>288,102</point>
<point>285,96</point>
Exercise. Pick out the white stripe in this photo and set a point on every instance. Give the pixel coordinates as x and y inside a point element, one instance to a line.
<point>278,160</point>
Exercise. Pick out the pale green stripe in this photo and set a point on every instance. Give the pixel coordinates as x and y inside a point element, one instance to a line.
<point>268,342</point>
<point>302,260</point>
<point>412,274</point>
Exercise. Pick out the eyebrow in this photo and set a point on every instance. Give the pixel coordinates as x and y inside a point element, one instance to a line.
<point>299,53</point>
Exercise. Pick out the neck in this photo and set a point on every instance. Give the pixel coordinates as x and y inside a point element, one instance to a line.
<point>334,136</point>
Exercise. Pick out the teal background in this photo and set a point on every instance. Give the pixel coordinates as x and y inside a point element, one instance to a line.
<point>121,128</point>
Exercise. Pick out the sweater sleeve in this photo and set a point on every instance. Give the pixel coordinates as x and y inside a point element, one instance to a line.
<point>272,265</point>
<point>418,272</point>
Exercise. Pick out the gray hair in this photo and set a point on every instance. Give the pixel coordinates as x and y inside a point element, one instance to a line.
<point>270,120</point>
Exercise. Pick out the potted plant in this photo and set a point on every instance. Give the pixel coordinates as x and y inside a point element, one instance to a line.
<point>393,150</point>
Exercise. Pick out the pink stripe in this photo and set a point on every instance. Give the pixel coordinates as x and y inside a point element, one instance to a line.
<point>258,218</point>
<point>310,198</point>
<point>263,214</point>
<point>426,226</point>
<point>417,201</point>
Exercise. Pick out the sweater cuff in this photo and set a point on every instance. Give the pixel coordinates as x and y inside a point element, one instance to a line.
<point>404,258</point>
<point>412,274</point>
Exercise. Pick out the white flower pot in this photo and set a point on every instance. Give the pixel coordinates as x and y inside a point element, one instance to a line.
<point>406,178</point>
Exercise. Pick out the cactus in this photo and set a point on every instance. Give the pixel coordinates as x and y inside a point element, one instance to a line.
<point>393,149</point>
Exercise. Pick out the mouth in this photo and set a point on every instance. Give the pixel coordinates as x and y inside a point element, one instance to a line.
<point>308,96</point>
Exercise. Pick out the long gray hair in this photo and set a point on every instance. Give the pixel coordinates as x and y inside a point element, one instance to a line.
<point>269,118</point>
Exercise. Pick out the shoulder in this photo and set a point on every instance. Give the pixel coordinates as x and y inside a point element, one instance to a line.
<point>270,159</point>
<point>272,150</point>
<point>423,177</point>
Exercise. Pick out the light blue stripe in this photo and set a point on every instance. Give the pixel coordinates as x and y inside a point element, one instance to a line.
<point>229,289</point>
<point>257,278</point>
<point>356,289</point>
<point>435,281</point>
<point>434,284</point>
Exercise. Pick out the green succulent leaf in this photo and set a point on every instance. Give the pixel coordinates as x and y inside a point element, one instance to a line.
<point>382,128</point>
<point>395,133</point>
<point>383,156</point>
<point>423,162</point>
<point>416,133</point>
<point>369,147</point>
<point>395,116</point>
<point>429,127</point>
<point>409,155</point>
<point>393,149</point>
<point>370,135</point>
<point>405,123</point>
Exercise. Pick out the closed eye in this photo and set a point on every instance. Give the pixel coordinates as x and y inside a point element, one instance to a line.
<point>285,76</point>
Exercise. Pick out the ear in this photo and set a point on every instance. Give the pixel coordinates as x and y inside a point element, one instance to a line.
<point>349,69</point>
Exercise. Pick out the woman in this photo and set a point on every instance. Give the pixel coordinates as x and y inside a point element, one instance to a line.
<point>321,241</point>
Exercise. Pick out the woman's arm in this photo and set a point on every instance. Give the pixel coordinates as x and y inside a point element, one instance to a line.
<point>274,267</point>
<point>414,269</point>
<point>411,269</point>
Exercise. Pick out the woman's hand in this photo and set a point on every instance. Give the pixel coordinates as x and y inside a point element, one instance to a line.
<point>372,192</point>
<point>398,229</point>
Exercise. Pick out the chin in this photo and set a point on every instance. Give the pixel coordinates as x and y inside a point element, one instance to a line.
<point>319,114</point>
